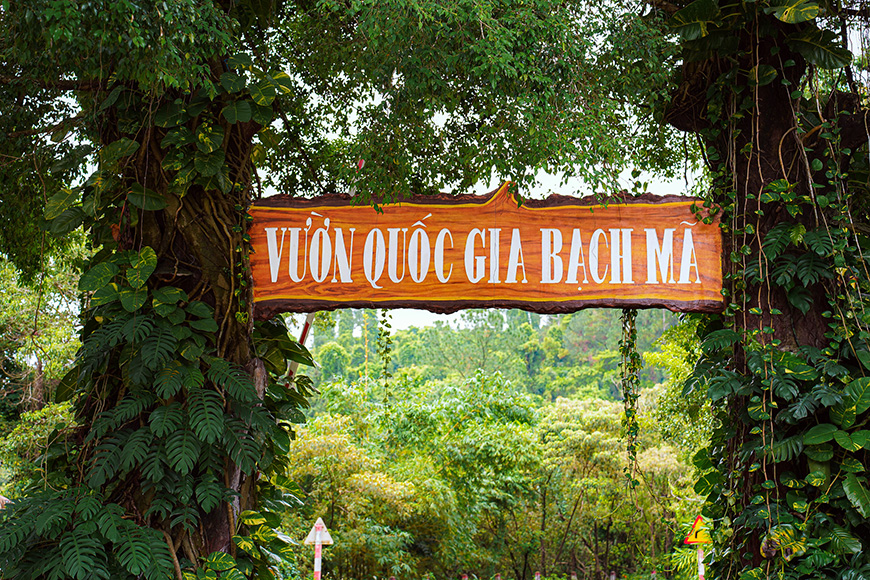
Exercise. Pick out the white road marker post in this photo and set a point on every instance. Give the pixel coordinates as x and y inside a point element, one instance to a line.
<point>318,536</point>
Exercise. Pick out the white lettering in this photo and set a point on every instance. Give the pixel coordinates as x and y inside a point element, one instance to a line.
<point>321,252</point>
<point>515,260</point>
<point>689,259</point>
<point>577,259</point>
<point>392,264</point>
<point>439,255</point>
<point>418,255</point>
<point>374,256</point>
<point>661,256</point>
<point>474,265</point>
<point>342,258</point>
<point>275,250</point>
<point>493,255</point>
<point>551,263</point>
<point>593,256</point>
<point>620,253</point>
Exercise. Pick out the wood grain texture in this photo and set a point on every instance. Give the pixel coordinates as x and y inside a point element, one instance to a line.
<point>555,255</point>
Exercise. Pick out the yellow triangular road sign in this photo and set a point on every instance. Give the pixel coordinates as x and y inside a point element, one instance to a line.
<point>325,538</point>
<point>698,534</point>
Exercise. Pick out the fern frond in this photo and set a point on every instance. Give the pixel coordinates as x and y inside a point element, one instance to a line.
<point>82,554</point>
<point>206,414</point>
<point>136,448</point>
<point>241,447</point>
<point>166,419</point>
<point>235,381</point>
<point>182,450</point>
<point>158,348</point>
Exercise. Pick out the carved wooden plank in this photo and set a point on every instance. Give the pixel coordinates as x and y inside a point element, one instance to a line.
<point>446,253</point>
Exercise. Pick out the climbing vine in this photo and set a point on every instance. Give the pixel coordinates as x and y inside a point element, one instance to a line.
<point>630,367</point>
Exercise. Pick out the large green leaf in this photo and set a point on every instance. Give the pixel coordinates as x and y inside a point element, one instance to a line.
<point>119,149</point>
<point>237,112</point>
<point>144,198</point>
<point>232,82</point>
<point>141,267</point>
<point>858,495</point>
<point>97,276</point>
<point>846,441</point>
<point>264,92</point>
<point>70,219</point>
<point>208,164</point>
<point>209,137</point>
<point>820,47</point>
<point>859,392</point>
<point>133,299</point>
<point>60,201</point>
<point>692,21</point>
<point>795,11</point>
<point>820,434</point>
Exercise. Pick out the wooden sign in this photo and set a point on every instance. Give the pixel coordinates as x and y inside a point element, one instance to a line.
<point>446,253</point>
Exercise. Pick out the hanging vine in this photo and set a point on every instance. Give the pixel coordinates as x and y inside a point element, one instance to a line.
<point>631,365</point>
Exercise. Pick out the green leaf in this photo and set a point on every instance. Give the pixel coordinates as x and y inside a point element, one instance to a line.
<point>204,325</point>
<point>97,276</point>
<point>719,339</point>
<point>168,295</point>
<point>144,198</point>
<point>170,380</point>
<point>60,202</point>
<point>158,348</point>
<point>219,561</point>
<point>692,21</point>
<point>208,164</point>
<point>105,295</point>
<point>132,300</point>
<point>842,542</point>
<point>141,267</point>
<point>70,219</point>
<point>761,75</point>
<point>119,149</point>
<point>820,47</point>
<point>859,393</point>
<point>170,114</point>
<point>166,419</point>
<point>845,441</point>
<point>817,478</point>
<point>232,82</point>
<point>820,434</point>
<point>80,554</point>
<point>209,137</point>
<point>795,11</point>
<point>110,100</point>
<point>240,60</point>
<point>133,550</point>
<point>231,378</point>
<point>237,112</point>
<point>209,492</point>
<point>206,414</point>
<point>264,92</point>
<point>182,449</point>
<point>200,309</point>
<point>843,414</point>
<point>252,518</point>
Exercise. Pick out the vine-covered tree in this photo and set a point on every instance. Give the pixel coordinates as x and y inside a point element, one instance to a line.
<point>152,125</point>
<point>776,93</point>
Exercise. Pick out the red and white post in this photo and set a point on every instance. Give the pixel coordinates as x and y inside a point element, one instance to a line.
<point>318,548</point>
<point>318,536</point>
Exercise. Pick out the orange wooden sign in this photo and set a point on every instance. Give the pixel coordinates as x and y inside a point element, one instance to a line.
<point>446,253</point>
